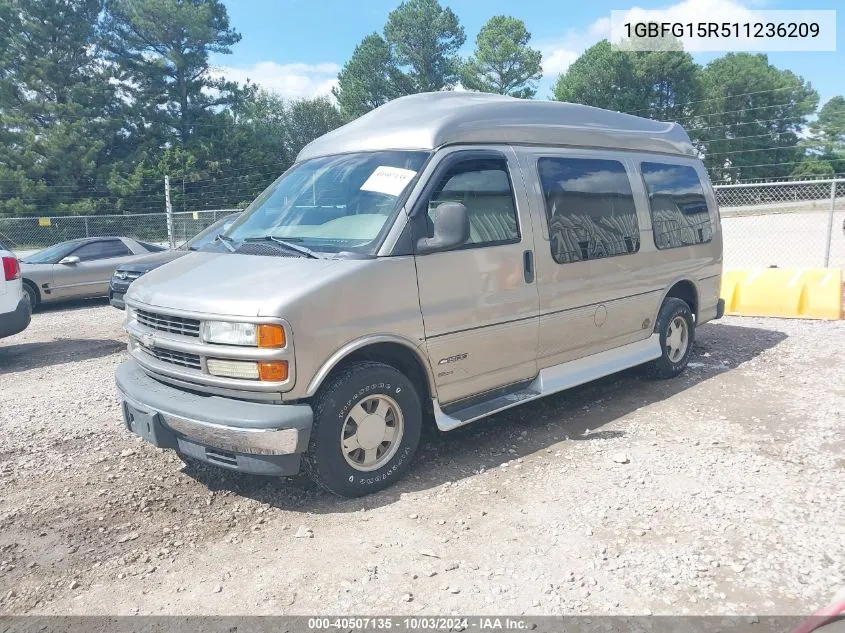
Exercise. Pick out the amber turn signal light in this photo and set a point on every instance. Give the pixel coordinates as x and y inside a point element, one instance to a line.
<point>273,371</point>
<point>271,336</point>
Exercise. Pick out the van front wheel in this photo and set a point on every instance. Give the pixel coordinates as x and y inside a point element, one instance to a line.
<point>676,327</point>
<point>367,422</point>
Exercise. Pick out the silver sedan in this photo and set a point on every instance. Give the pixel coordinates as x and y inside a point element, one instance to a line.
<point>78,269</point>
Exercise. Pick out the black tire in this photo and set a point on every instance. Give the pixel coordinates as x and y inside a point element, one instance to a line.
<point>31,293</point>
<point>665,366</point>
<point>357,383</point>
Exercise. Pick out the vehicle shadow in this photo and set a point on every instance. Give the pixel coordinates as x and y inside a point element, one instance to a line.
<point>575,414</point>
<point>70,304</point>
<point>24,356</point>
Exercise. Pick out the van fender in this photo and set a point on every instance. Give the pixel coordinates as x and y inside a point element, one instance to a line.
<point>365,341</point>
<point>669,287</point>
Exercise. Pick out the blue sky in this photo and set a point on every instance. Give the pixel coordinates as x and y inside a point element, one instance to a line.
<point>296,47</point>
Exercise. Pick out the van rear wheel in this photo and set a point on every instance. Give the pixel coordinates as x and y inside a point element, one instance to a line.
<point>367,422</point>
<point>676,327</point>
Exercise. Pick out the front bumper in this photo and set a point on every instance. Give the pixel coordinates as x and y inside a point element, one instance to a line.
<point>117,291</point>
<point>246,436</point>
<point>17,320</point>
<point>116,299</point>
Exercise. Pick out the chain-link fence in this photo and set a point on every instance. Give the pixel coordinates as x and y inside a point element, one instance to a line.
<point>785,224</point>
<point>29,234</point>
<point>798,223</point>
<point>188,224</point>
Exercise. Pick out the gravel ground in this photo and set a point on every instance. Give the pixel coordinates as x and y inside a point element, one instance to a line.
<point>717,492</point>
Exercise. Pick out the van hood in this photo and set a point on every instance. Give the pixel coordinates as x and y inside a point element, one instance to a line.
<point>231,283</point>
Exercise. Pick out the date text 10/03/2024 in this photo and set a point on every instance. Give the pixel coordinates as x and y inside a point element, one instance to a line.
<point>420,623</point>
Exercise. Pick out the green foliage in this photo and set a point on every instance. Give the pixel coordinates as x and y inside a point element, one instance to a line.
<point>424,39</point>
<point>503,62</point>
<point>654,84</point>
<point>742,112</point>
<point>306,120</point>
<point>99,99</point>
<point>813,167</point>
<point>668,84</point>
<point>828,130</point>
<point>601,77</point>
<point>53,93</point>
<point>161,49</point>
<point>248,149</point>
<point>418,53</point>
<point>369,79</point>
<point>752,116</point>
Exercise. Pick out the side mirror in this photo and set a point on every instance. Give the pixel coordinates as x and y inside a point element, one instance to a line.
<point>69,260</point>
<point>451,229</point>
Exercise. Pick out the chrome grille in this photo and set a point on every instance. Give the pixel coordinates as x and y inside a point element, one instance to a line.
<point>168,323</point>
<point>183,359</point>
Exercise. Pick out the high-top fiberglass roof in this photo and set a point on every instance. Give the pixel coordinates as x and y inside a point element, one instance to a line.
<point>434,119</point>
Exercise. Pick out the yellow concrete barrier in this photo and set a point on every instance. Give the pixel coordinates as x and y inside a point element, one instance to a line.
<point>808,293</point>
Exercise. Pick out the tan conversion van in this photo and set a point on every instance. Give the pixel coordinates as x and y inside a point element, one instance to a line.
<point>444,257</point>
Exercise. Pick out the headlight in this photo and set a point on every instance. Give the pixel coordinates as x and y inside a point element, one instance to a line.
<point>128,314</point>
<point>228,333</point>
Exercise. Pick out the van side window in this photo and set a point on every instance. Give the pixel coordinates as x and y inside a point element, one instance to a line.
<point>590,208</point>
<point>679,214</point>
<point>484,188</point>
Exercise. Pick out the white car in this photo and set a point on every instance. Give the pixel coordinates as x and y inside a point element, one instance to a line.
<point>14,307</point>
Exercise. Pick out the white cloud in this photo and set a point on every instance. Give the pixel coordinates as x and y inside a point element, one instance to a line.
<point>287,80</point>
<point>557,60</point>
<point>559,53</point>
<point>602,181</point>
<point>600,28</point>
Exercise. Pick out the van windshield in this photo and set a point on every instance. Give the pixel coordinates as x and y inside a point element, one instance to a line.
<point>332,203</point>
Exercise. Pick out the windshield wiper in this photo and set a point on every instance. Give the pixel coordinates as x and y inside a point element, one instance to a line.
<point>226,241</point>
<point>296,248</point>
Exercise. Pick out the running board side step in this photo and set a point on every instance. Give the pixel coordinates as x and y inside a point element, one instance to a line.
<point>552,380</point>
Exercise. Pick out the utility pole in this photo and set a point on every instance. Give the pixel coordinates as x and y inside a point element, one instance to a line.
<point>830,223</point>
<point>169,212</point>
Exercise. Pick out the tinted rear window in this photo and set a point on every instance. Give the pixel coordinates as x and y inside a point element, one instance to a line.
<point>679,214</point>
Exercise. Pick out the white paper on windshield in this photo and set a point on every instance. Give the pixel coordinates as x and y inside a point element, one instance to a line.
<point>389,180</point>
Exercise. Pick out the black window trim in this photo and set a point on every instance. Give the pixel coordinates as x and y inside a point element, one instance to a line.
<point>420,208</point>
<point>548,220</point>
<point>640,163</point>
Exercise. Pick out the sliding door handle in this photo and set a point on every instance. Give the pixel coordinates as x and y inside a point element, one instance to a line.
<point>528,266</point>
